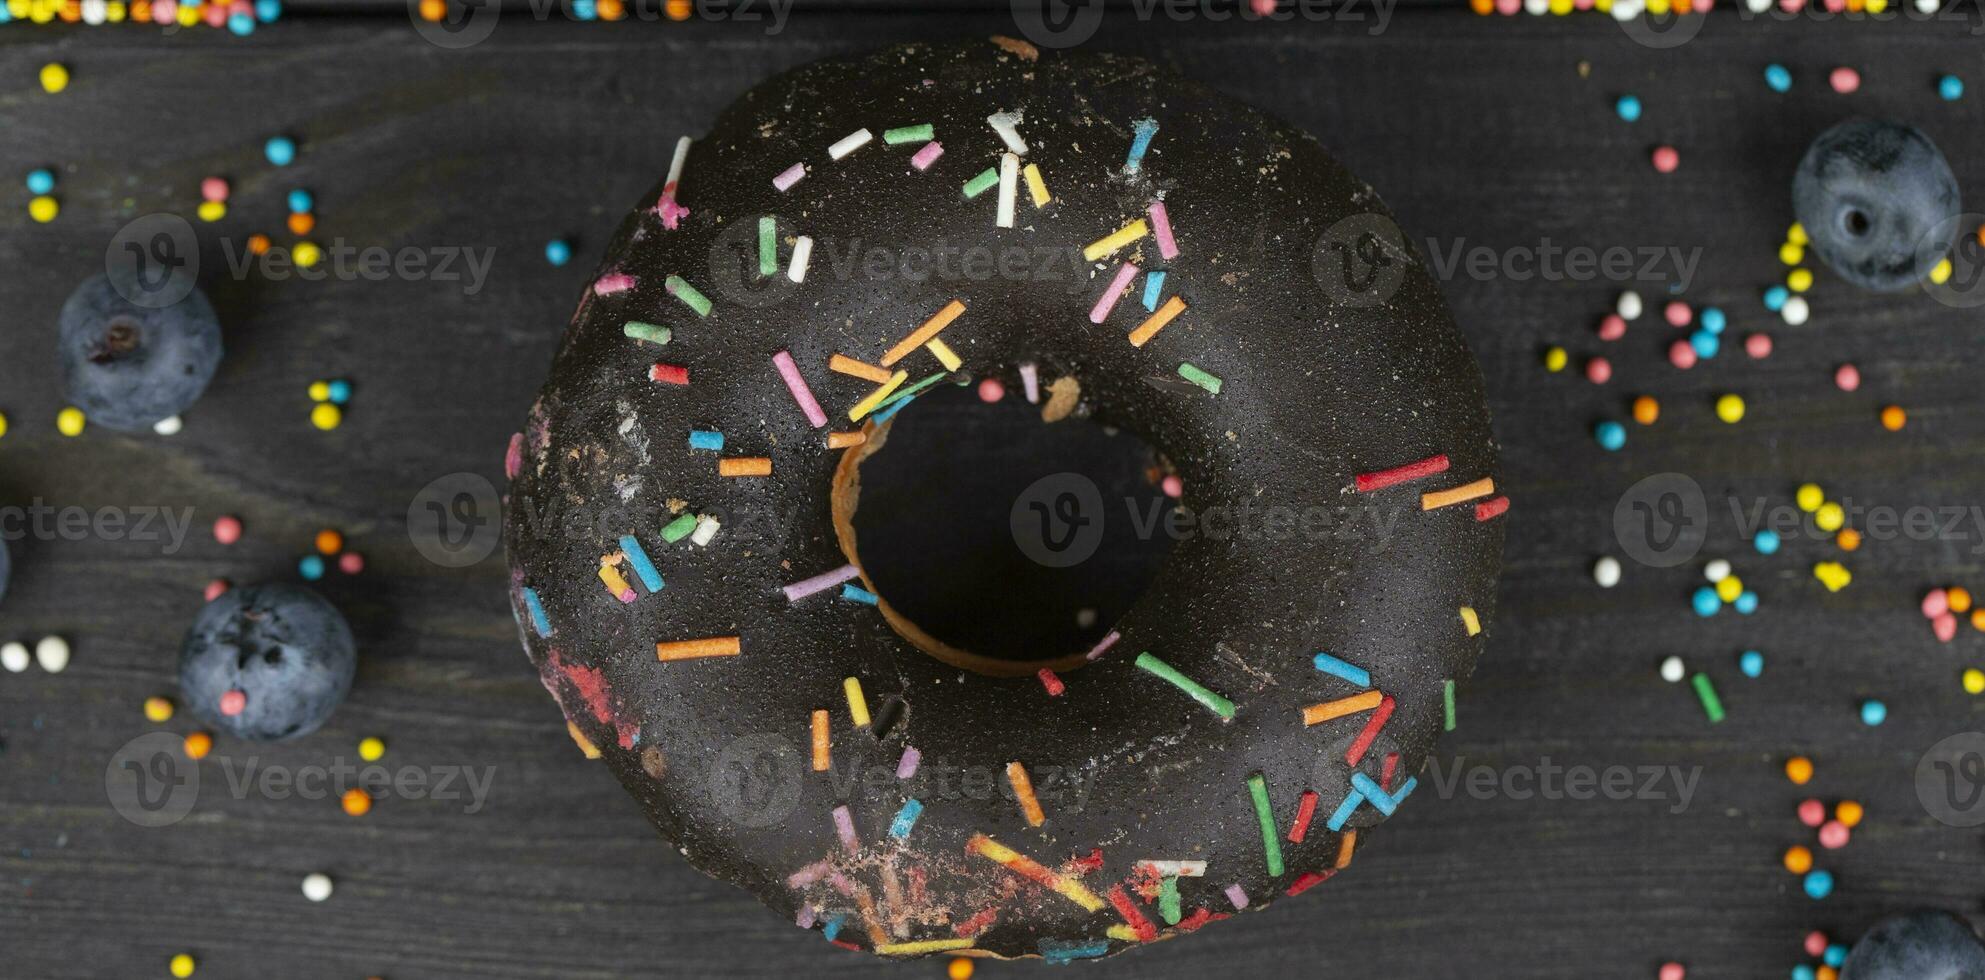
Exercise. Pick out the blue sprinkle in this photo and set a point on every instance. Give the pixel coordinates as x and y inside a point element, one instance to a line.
<point>1706,602</point>
<point>1775,297</point>
<point>41,181</point>
<point>301,201</point>
<point>1154,286</point>
<point>705,439</point>
<point>557,252</point>
<point>1338,668</point>
<point>1873,712</point>
<point>1140,141</point>
<point>1611,435</point>
<point>636,556</point>
<point>890,412</point>
<point>1344,811</point>
<point>1373,793</point>
<point>1751,663</point>
<point>906,818</point>
<point>281,150</point>
<point>1628,107</point>
<point>240,24</point>
<point>1776,76</point>
<point>1819,884</point>
<point>538,620</point>
<point>1062,950</point>
<point>859,594</point>
<point>833,927</point>
<point>340,392</point>
<point>1836,954</point>
<point>1706,343</point>
<point>267,11</point>
<point>1712,319</point>
<point>1747,602</point>
<point>1766,541</point>
<point>1951,88</point>
<point>311,568</point>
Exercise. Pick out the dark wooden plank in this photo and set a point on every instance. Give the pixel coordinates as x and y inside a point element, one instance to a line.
<point>1479,132</point>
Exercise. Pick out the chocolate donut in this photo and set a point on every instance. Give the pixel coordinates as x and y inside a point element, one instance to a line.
<point>687,581</point>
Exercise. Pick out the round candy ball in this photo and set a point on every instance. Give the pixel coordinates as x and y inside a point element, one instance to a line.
<point>41,181</point>
<point>1950,88</point>
<point>557,252</point>
<point>301,201</point>
<point>1706,601</point>
<point>1876,197</point>
<point>1606,572</point>
<point>1873,712</point>
<point>1766,541</point>
<point>1778,77</point>
<point>1819,884</point>
<point>1628,106</point>
<point>1847,377</point>
<point>279,654</point>
<point>1665,159</point>
<point>1610,435</point>
<point>1751,662</point>
<point>280,150</point>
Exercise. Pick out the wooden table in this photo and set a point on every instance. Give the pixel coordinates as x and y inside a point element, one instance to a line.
<point>1496,133</point>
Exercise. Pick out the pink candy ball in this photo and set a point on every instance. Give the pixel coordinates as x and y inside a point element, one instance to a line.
<point>227,529</point>
<point>1847,376</point>
<point>234,702</point>
<point>1816,943</point>
<point>1945,626</point>
<point>1677,313</point>
<point>1673,971</point>
<point>991,390</point>
<point>1666,159</point>
<point>351,563</point>
<point>1791,6</point>
<point>213,189</point>
<point>1613,327</point>
<point>1508,8</point>
<point>1262,8</point>
<point>1758,345</point>
<point>1812,813</point>
<point>1833,835</point>
<point>165,11</point>
<point>1599,370</point>
<point>1834,6</point>
<point>1844,80</point>
<point>1173,486</point>
<point>1936,603</point>
<point>1682,354</point>
<point>217,588</point>
<point>215,15</point>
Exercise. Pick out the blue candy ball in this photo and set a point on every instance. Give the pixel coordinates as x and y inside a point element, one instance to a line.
<point>1751,663</point>
<point>1873,712</point>
<point>311,568</point>
<point>1951,88</point>
<point>1767,542</point>
<point>1705,343</point>
<point>1776,76</point>
<point>557,252</point>
<point>240,24</point>
<point>1705,601</point>
<point>281,150</point>
<point>41,181</point>
<point>1712,319</point>
<point>1819,884</point>
<point>1775,297</point>
<point>1611,435</point>
<point>1836,954</point>
<point>5,14</point>
<point>1747,602</point>
<point>301,201</point>
<point>1628,107</point>
<point>1804,972</point>
<point>267,11</point>
<point>585,10</point>
<point>340,392</point>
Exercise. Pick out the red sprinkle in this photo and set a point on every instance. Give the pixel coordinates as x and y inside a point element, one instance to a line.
<point>1391,769</point>
<point>977,923</point>
<point>1381,479</point>
<point>1491,509</point>
<point>1051,682</point>
<point>1613,327</point>
<point>1758,345</point>
<point>1844,80</point>
<point>673,374</point>
<point>1304,812</point>
<point>1363,743</point>
<point>1146,932</point>
<point>1599,370</point>
<point>1309,880</point>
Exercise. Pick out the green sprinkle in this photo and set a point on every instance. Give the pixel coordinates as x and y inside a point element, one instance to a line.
<point>646,331</point>
<point>1447,701</point>
<point>1220,706</point>
<point>679,528</point>
<point>689,296</point>
<point>1199,377</point>
<point>1168,900</point>
<point>982,183</point>
<point>1711,706</point>
<point>911,391</point>
<point>768,246</point>
<point>1270,844</point>
<point>907,134</point>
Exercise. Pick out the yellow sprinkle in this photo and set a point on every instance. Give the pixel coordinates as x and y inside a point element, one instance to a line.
<point>1122,933</point>
<point>875,397</point>
<point>320,391</point>
<point>1121,237</point>
<point>1833,575</point>
<point>3,424</point>
<point>1470,621</point>
<point>615,583</point>
<point>70,421</point>
<point>1974,681</point>
<point>585,744</point>
<point>1941,272</point>
<point>326,416</point>
<point>1730,588</point>
<point>1810,497</point>
<point>923,946</point>
<point>944,354</point>
<point>371,749</point>
<point>1791,254</point>
<point>857,704</point>
<point>1730,408</point>
<point>1036,187</point>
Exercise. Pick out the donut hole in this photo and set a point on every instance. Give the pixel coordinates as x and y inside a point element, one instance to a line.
<point>1856,222</point>
<point>998,542</point>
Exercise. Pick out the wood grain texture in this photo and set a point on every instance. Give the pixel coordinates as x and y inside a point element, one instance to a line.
<point>1477,131</point>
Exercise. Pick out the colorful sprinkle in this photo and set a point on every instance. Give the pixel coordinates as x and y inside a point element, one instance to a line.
<point>796,384</point>
<point>706,439</point>
<point>1037,187</point>
<point>844,825</point>
<point>1028,868</point>
<point>1161,229</point>
<point>668,374</point>
<point>536,606</point>
<point>855,593</point>
<point>1023,792</point>
<point>1005,124</point>
<point>1108,301</point>
<point>1157,321</point>
<point>922,335</point>
<point>788,177</point>
<point>1317,714</point>
<point>849,143</point>
<point>927,156</point>
<point>715,646</point>
<point>1115,240</point>
<point>1340,669</point>
<point>688,294</point>
<point>643,568</point>
<point>1154,287</point>
<point>1712,706</point>
<point>983,182</point>
<point>1140,142</point>
<point>1214,702</point>
<point>822,741</point>
<point>1437,499</point>
<point>907,134</point>
<point>1379,480</point>
<point>819,583</point>
<point>1197,375</point>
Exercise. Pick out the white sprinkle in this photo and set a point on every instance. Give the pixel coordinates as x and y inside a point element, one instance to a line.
<point>802,253</point>
<point>14,657</point>
<point>1168,869</point>
<point>168,426</point>
<point>1717,570</point>
<point>850,143</point>
<point>1672,670</point>
<point>675,165</point>
<point>1003,123</point>
<point>1606,572</point>
<point>1030,379</point>
<point>706,528</point>
<point>1795,311</point>
<point>1009,186</point>
<point>52,653</point>
<point>1629,305</point>
<point>317,887</point>
<point>790,176</point>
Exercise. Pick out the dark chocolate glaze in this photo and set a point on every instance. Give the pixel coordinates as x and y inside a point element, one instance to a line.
<point>1319,383</point>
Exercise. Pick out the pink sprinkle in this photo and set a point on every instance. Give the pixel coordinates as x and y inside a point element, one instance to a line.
<point>788,177</point>
<point>1682,354</point>
<point>1833,835</point>
<point>1599,370</point>
<point>819,583</point>
<point>671,212</point>
<point>672,374</point>
<point>927,156</point>
<point>1812,813</point>
<point>991,390</point>
<point>797,385</point>
<point>1945,627</point>
<point>351,563</point>
<point>907,766</point>
<point>805,918</point>
<point>1103,645</point>
<point>214,189</point>
<point>1677,313</point>
<point>1161,227</point>
<point>1847,376</point>
<point>1666,159</point>
<point>1613,327</point>
<point>234,702</point>
<point>1125,273</point>
<point>1844,80</point>
<point>613,282</point>
<point>1030,381</point>
<point>1673,971</point>
<point>844,824</point>
<point>1936,603</point>
<point>810,874</point>
<point>227,529</point>
<point>1051,682</point>
<point>1816,943</point>
<point>1758,345</point>
<point>1173,486</point>
<point>1237,895</point>
<point>627,596</point>
<point>217,588</point>
<point>513,458</point>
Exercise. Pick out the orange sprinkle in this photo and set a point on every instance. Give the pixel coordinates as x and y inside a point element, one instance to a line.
<point>745,466</point>
<point>1317,714</point>
<point>715,646</point>
<point>843,364</point>
<point>679,9</point>
<point>1893,418</point>
<point>923,334</point>
<point>844,440</point>
<point>433,11</point>
<point>1032,870</point>
<point>1345,846</point>
<point>198,745</point>
<point>586,746</point>
<point>610,10</point>
<point>1023,790</point>
<point>357,802</point>
<point>1849,813</point>
<point>1156,321</point>
<point>823,760</point>
<point>1467,491</point>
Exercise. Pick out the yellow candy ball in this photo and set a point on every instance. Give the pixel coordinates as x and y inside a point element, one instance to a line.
<point>959,969</point>
<point>1658,8</point>
<point>1974,681</point>
<point>158,709</point>
<point>182,966</point>
<point>1876,6</point>
<point>1941,272</point>
<point>212,210</point>
<point>189,14</point>
<point>19,9</point>
<point>1799,280</point>
<point>1849,813</point>
<point>1555,359</point>
<point>1796,234</point>
<point>1791,254</point>
<point>113,12</point>
<point>371,749</point>
<point>3,425</point>
<point>320,391</point>
<point>1730,588</point>
<point>326,416</point>
<point>1830,517</point>
<point>70,421</point>
<point>1730,408</point>
<point>43,209</point>
<point>1561,7</point>
<point>42,12</point>
<point>306,254</point>
<point>1810,497</point>
<point>54,78</point>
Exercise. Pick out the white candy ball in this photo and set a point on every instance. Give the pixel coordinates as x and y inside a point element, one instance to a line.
<point>1795,311</point>
<point>1716,571</point>
<point>1928,6</point>
<point>1606,572</point>
<point>52,653</point>
<point>1629,305</point>
<point>1757,6</point>
<point>168,426</point>
<point>1672,670</point>
<point>14,657</point>
<point>317,887</point>
<point>1537,6</point>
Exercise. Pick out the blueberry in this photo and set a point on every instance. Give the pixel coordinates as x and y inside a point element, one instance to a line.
<point>129,367</point>
<point>1927,944</point>
<point>1877,199</point>
<point>278,655</point>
